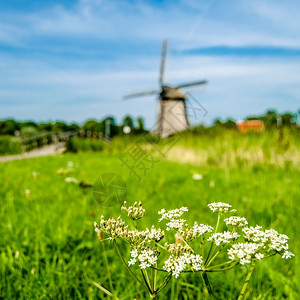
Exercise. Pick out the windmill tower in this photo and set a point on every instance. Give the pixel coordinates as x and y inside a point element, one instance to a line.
<point>172,114</point>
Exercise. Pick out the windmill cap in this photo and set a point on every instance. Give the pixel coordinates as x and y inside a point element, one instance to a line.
<point>169,93</point>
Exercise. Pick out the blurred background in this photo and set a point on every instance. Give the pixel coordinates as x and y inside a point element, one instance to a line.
<point>64,69</point>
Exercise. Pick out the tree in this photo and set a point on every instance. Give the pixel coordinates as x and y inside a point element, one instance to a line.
<point>218,122</point>
<point>288,119</point>
<point>128,121</point>
<point>8,127</point>
<point>230,124</point>
<point>60,126</point>
<point>46,126</point>
<point>270,119</point>
<point>28,131</point>
<point>73,127</point>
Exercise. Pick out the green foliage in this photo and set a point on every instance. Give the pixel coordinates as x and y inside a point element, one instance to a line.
<point>272,119</point>
<point>28,131</point>
<point>140,129</point>
<point>46,126</point>
<point>10,145</point>
<point>8,127</point>
<point>128,121</point>
<point>27,124</point>
<point>76,144</point>
<point>60,126</point>
<point>73,127</point>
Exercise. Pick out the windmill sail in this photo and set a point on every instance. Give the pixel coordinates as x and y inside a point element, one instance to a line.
<point>162,63</point>
<point>141,94</point>
<point>172,115</point>
<point>184,85</point>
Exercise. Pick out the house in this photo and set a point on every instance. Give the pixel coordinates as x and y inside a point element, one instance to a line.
<point>250,125</point>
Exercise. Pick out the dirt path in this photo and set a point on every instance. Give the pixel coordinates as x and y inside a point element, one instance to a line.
<point>47,150</point>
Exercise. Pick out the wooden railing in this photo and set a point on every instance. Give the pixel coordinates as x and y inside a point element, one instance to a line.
<point>43,139</point>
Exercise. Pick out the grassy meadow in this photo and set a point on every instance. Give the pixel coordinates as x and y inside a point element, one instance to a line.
<point>48,247</point>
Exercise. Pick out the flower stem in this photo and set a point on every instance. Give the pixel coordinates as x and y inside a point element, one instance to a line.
<point>107,266</point>
<point>222,269</point>
<point>211,244</point>
<point>220,265</point>
<point>127,267</point>
<point>164,283</point>
<point>208,286</point>
<point>145,279</point>
<point>155,278</point>
<point>148,279</point>
<point>245,285</point>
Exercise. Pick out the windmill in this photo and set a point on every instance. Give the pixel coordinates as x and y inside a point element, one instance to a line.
<point>172,114</point>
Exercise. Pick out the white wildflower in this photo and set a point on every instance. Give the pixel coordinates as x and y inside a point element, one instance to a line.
<point>254,234</point>
<point>277,241</point>
<point>147,258</point>
<point>171,214</point>
<point>175,224</point>
<point>219,207</point>
<point>70,165</point>
<point>259,256</point>
<point>71,179</point>
<point>287,254</point>
<point>134,253</point>
<point>244,252</point>
<point>177,264</point>
<point>223,238</point>
<point>236,221</point>
<point>270,238</point>
<point>201,228</point>
<point>197,176</point>
<point>154,234</point>
<point>132,261</point>
<point>27,193</point>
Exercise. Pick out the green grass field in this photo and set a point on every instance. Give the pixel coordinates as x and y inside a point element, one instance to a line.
<point>49,248</point>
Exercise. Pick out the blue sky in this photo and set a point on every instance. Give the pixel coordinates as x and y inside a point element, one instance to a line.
<point>73,60</point>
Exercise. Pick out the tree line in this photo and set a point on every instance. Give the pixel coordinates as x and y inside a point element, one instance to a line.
<point>87,129</point>
<point>108,125</point>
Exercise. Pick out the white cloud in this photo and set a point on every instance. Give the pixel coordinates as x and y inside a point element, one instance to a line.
<point>189,24</point>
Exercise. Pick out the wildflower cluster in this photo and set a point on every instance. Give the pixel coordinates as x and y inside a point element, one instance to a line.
<point>223,237</point>
<point>173,216</point>
<point>236,221</point>
<point>134,212</point>
<point>244,252</point>
<point>113,228</point>
<point>258,243</point>
<point>189,234</point>
<point>142,237</point>
<point>146,257</point>
<point>154,234</point>
<point>219,207</point>
<point>240,244</point>
<point>181,257</point>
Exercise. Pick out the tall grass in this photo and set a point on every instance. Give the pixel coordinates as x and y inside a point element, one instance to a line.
<point>231,148</point>
<point>10,145</point>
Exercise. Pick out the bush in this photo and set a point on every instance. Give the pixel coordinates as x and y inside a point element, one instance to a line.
<point>10,145</point>
<point>76,144</point>
<point>28,131</point>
